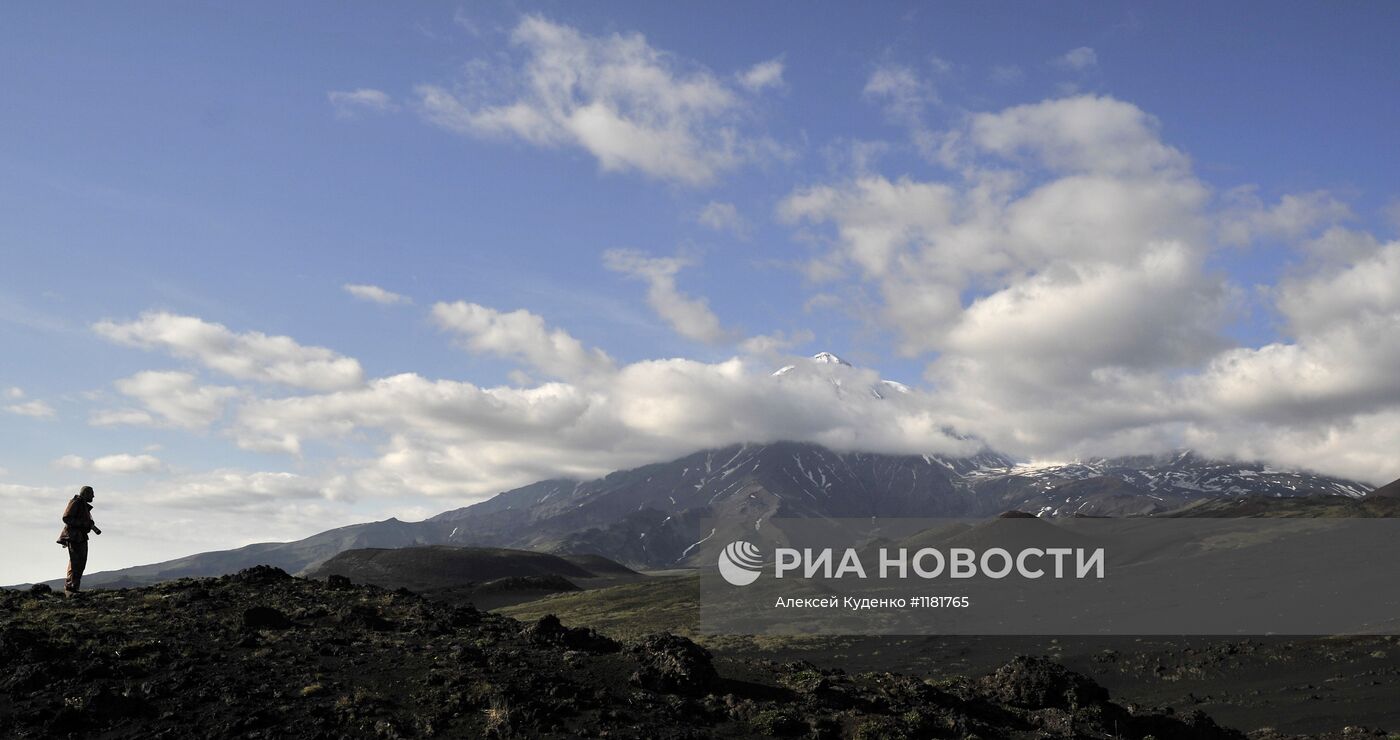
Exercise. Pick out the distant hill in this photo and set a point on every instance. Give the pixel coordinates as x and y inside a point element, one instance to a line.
<point>1299,506</point>
<point>1389,490</point>
<point>292,557</point>
<point>484,576</point>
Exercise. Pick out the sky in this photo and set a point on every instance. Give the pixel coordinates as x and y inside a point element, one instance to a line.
<point>268,269</point>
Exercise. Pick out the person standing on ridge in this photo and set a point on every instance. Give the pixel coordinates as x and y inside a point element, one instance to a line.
<point>77,522</point>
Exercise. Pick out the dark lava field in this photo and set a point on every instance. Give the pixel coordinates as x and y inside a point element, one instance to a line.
<point>261,654</point>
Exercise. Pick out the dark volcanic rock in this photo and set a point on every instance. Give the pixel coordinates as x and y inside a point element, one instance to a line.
<point>548,631</point>
<point>673,664</point>
<point>362,616</point>
<point>265,618</point>
<point>164,662</point>
<point>261,574</point>
<point>1038,682</point>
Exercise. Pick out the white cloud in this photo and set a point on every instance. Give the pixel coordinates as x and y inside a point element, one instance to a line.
<point>350,103</point>
<point>690,317</point>
<point>1078,59</point>
<point>763,75</point>
<point>722,216</point>
<point>1345,324</point>
<point>631,106</point>
<point>1073,318</point>
<point>1293,217</point>
<point>444,437</point>
<point>247,356</point>
<point>375,294</point>
<point>119,464</point>
<point>523,336</point>
<point>1084,133</point>
<point>14,392</point>
<point>170,398</point>
<point>35,409</point>
<point>1060,287</point>
<point>925,245</point>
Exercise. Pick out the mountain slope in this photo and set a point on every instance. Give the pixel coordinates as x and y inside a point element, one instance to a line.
<point>1147,484</point>
<point>653,516</point>
<point>1389,490</point>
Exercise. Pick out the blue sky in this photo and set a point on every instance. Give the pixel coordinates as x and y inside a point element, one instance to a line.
<point>1151,213</point>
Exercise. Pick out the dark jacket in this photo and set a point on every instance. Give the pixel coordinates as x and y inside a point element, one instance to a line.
<point>77,521</point>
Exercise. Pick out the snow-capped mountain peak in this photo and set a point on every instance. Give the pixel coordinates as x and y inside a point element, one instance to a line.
<point>834,368</point>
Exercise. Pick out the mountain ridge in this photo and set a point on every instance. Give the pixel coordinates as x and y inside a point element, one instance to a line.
<point>651,516</point>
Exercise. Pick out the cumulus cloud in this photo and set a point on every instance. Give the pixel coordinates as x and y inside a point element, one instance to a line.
<point>1072,318</point>
<point>631,106</point>
<point>1345,327</point>
<point>35,409</point>
<point>1078,59</point>
<point>247,356</point>
<point>1060,288</point>
<point>1113,192</point>
<point>14,392</point>
<point>690,317</point>
<point>763,75</point>
<point>350,103</point>
<point>375,294</point>
<point>120,464</point>
<point>169,398</point>
<point>523,336</point>
<point>722,216</point>
<point>1083,133</point>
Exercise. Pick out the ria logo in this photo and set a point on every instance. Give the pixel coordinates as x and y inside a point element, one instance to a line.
<point>740,563</point>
